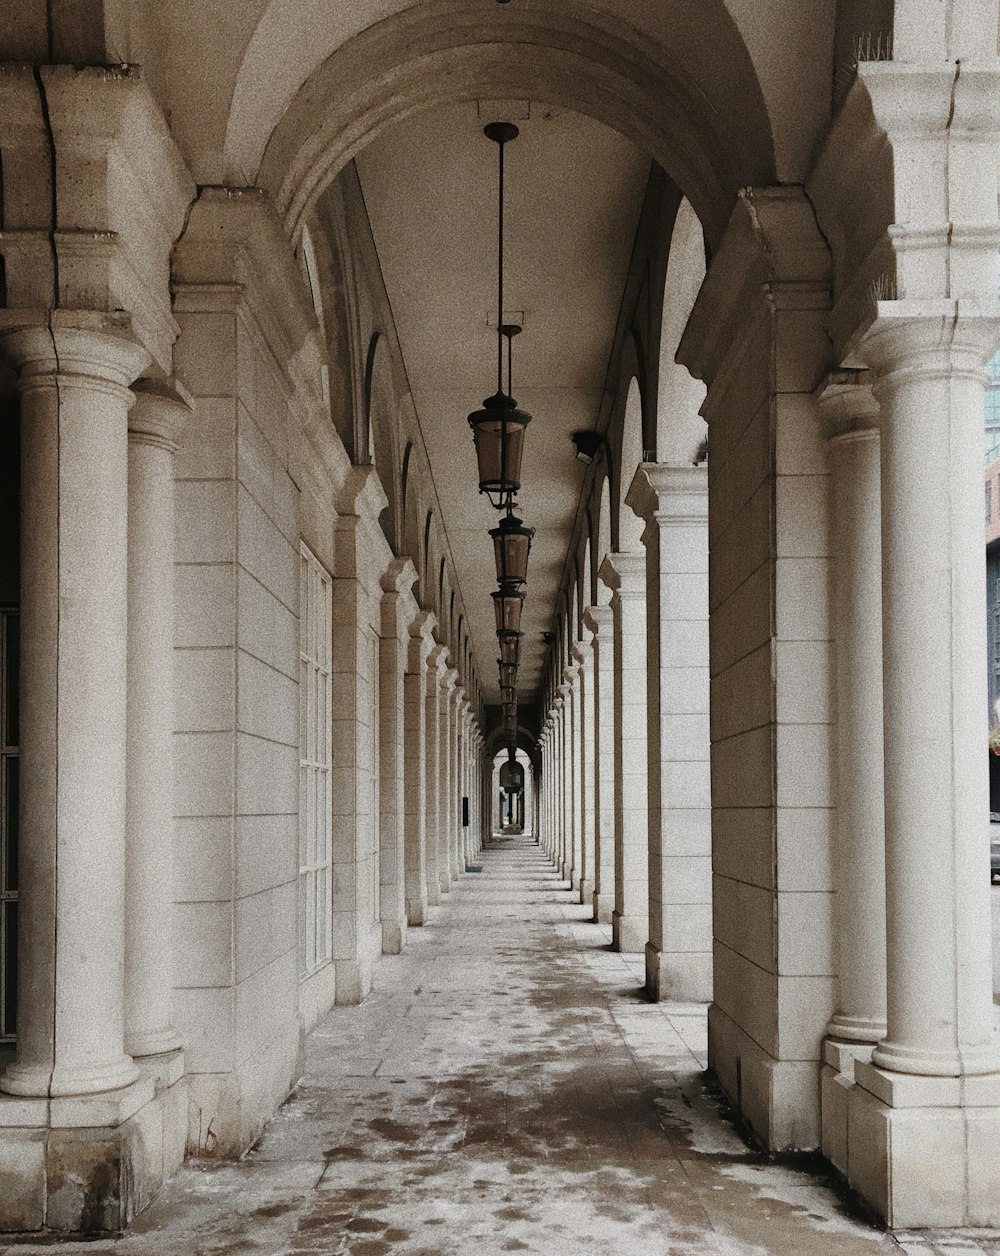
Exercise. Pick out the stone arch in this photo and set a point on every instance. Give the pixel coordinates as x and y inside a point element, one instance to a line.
<point>410,534</point>
<point>688,93</point>
<point>602,538</point>
<point>629,526</point>
<point>680,431</point>
<point>380,436</point>
<point>585,585</point>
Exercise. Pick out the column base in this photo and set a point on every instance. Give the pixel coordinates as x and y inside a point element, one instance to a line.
<point>90,1165</point>
<point>393,937</point>
<point>629,933</point>
<point>836,1085</point>
<point>604,906</point>
<point>416,912</point>
<point>586,891</point>
<point>564,870</point>
<point>162,1069</point>
<point>31,1080</point>
<point>161,1042</point>
<point>924,1161</point>
<point>678,976</point>
<point>433,895</point>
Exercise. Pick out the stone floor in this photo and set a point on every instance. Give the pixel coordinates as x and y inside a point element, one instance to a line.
<point>506,1089</point>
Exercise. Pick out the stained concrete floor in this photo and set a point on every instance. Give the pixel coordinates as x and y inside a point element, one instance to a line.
<point>506,1089</point>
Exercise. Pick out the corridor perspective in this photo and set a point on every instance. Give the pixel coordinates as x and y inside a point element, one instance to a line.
<point>505,1088</point>
<point>432,425</point>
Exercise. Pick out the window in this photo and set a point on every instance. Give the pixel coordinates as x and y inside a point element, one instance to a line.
<point>9,779</point>
<point>315,764</point>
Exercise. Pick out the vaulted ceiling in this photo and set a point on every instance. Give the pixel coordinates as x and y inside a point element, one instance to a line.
<point>574,193</point>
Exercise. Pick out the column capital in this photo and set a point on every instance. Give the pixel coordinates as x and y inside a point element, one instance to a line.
<point>929,339</point>
<point>570,672</point>
<point>160,414</point>
<point>421,640</point>
<point>78,348</point>
<point>624,574</point>
<point>449,679</point>
<point>599,619</point>
<point>581,653</point>
<point>667,494</point>
<point>847,405</point>
<point>399,575</point>
<point>437,659</point>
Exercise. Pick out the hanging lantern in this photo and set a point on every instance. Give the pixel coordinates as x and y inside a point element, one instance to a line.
<point>508,673</point>
<point>498,428</point>
<point>510,647</point>
<point>498,433</point>
<point>507,603</point>
<point>508,694</point>
<point>511,547</point>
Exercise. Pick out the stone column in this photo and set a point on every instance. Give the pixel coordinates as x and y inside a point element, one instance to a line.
<point>599,620</point>
<point>584,656</point>
<point>454,749</point>
<point>398,610</point>
<point>436,665</point>
<point>564,830</point>
<point>673,502</point>
<point>851,416</point>
<point>929,377</point>
<point>417,803</point>
<point>625,576</point>
<point>571,679</point>
<point>74,376</point>
<point>155,425</point>
<point>445,826</point>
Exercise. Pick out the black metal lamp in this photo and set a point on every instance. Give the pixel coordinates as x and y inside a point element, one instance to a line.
<point>508,694</point>
<point>511,547</point>
<point>508,673</point>
<point>510,646</point>
<point>507,603</point>
<point>498,428</point>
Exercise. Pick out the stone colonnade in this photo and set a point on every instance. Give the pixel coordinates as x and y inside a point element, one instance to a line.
<point>226,819</point>
<point>800,844</point>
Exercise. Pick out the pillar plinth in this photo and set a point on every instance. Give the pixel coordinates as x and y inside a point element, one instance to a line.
<point>625,576</point>
<point>74,377</point>
<point>156,422</point>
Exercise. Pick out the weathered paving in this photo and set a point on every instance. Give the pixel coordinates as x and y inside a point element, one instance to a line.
<point>506,1089</point>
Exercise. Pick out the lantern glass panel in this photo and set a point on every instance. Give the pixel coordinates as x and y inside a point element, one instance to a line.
<point>511,547</point>
<point>507,605</point>
<point>510,647</point>
<point>508,674</point>
<point>498,433</point>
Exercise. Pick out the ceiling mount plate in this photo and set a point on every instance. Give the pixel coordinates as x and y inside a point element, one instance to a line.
<point>501,132</point>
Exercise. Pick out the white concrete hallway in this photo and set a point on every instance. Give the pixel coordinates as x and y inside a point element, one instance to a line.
<point>506,1088</point>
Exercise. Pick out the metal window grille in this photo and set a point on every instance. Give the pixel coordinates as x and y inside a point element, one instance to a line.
<point>9,782</point>
<point>315,764</point>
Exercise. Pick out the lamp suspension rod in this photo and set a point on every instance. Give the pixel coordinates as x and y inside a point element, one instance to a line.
<point>500,144</point>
